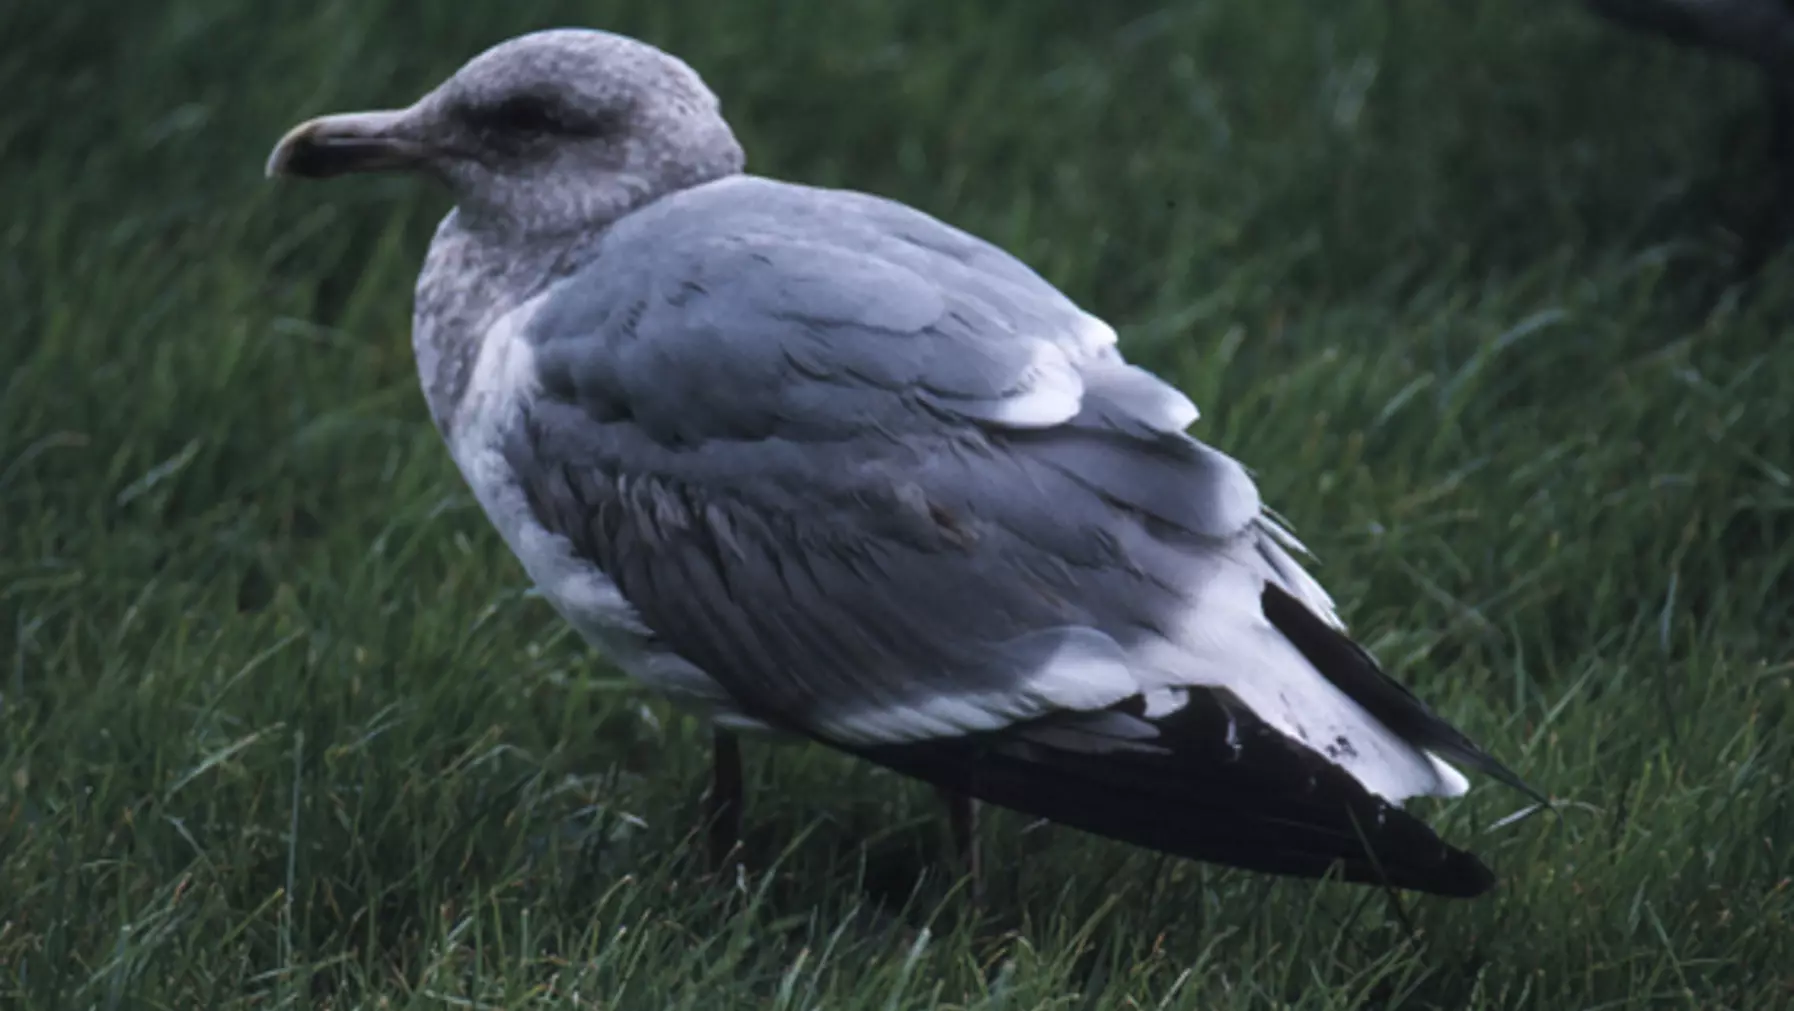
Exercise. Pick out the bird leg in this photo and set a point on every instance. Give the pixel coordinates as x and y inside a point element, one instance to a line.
<point>962,824</point>
<point>724,813</point>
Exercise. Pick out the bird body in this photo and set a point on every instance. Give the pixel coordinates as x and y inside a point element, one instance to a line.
<point>819,464</point>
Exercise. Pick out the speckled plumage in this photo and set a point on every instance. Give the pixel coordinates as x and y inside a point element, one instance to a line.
<point>511,234</point>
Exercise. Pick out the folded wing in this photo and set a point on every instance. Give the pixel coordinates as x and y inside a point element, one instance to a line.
<point>893,491</point>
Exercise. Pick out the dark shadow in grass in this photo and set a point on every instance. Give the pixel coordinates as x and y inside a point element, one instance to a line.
<point>1756,32</point>
<point>1729,216</point>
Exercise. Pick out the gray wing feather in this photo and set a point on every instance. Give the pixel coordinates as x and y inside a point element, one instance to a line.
<point>843,586</point>
<point>850,462</point>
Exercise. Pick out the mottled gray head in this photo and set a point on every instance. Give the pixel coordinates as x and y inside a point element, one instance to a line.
<point>551,131</point>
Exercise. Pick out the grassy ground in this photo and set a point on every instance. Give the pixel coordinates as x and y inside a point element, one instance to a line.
<point>279,725</point>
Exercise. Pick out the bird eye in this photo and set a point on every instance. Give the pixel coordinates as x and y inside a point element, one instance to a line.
<point>524,114</point>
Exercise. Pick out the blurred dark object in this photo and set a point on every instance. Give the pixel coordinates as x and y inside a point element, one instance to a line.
<point>1762,32</point>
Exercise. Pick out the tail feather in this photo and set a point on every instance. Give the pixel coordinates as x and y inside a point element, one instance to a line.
<point>1355,672</point>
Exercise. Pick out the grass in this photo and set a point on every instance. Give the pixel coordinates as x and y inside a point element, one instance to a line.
<point>281,726</point>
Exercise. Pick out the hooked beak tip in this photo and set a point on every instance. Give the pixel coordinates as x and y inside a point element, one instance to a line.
<point>338,145</point>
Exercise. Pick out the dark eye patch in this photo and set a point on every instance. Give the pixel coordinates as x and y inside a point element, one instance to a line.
<point>522,114</point>
<point>515,125</point>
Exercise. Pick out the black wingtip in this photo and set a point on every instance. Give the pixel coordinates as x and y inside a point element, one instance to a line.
<point>1224,788</point>
<point>1458,875</point>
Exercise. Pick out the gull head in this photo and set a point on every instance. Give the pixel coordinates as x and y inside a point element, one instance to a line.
<point>553,131</point>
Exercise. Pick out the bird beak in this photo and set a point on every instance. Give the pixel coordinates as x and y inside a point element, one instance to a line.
<point>350,142</point>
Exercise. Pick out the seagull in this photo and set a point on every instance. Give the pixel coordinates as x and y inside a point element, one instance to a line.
<point>819,466</point>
